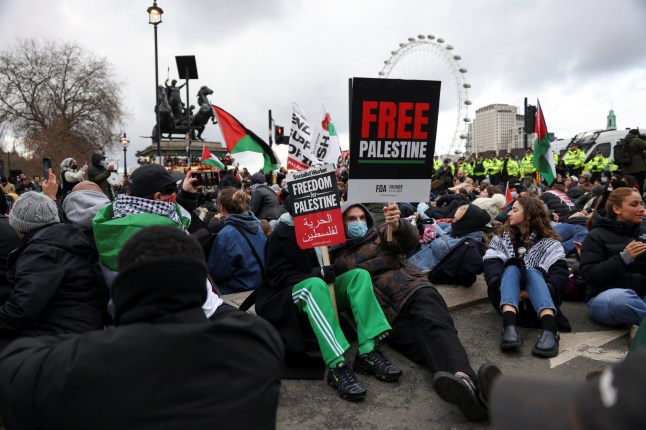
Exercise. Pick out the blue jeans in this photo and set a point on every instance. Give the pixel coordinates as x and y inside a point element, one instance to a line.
<point>570,233</point>
<point>539,294</point>
<point>617,306</point>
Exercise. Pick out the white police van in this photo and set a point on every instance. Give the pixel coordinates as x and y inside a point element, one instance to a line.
<point>602,140</point>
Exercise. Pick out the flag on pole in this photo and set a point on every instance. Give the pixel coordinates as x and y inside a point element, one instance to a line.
<point>543,154</point>
<point>239,139</point>
<point>325,142</point>
<point>508,196</point>
<point>210,159</point>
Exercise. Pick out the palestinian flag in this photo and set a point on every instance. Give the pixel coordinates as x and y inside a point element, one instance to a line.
<point>543,154</point>
<point>210,159</point>
<point>239,139</point>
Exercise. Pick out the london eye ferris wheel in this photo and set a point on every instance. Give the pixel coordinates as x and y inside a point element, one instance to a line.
<point>428,57</point>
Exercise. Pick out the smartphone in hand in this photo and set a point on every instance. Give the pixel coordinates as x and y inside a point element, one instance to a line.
<point>47,164</point>
<point>199,181</point>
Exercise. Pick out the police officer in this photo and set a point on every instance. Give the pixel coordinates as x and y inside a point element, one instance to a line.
<point>510,169</point>
<point>574,159</point>
<point>527,163</point>
<point>597,165</point>
<point>479,170</point>
<point>493,167</point>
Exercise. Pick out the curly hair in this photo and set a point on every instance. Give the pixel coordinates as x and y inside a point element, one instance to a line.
<point>536,220</point>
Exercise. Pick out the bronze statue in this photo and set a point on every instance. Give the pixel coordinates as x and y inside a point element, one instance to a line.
<point>199,120</point>
<point>174,98</point>
<point>173,112</point>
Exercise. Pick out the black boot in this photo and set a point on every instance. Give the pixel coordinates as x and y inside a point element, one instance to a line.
<point>547,344</point>
<point>510,338</point>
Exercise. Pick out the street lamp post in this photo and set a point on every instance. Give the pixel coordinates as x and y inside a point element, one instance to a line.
<point>124,143</point>
<point>155,18</point>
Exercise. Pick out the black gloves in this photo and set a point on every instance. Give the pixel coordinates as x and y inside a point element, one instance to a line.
<point>328,274</point>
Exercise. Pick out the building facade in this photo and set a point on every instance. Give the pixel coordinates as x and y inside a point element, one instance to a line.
<point>492,126</point>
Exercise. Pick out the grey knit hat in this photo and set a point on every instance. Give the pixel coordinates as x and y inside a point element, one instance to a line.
<point>31,211</point>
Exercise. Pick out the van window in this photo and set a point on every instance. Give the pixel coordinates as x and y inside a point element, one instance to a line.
<point>603,147</point>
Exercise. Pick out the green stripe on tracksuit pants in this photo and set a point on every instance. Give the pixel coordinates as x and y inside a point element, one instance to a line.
<point>353,291</point>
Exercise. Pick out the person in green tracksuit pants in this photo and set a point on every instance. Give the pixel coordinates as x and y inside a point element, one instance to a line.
<point>296,292</point>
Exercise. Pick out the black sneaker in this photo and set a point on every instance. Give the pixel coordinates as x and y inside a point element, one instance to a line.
<point>375,363</point>
<point>461,392</point>
<point>342,379</point>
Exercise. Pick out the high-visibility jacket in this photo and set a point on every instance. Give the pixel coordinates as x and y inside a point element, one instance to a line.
<point>574,159</point>
<point>597,164</point>
<point>437,165</point>
<point>466,168</point>
<point>493,166</point>
<point>512,168</point>
<point>479,169</point>
<point>527,165</point>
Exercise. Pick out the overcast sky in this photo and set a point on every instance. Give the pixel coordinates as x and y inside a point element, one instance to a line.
<point>580,57</point>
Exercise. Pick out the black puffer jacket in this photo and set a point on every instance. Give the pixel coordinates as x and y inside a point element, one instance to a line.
<point>65,382</point>
<point>57,285</point>
<point>601,265</point>
<point>285,266</point>
<point>559,206</point>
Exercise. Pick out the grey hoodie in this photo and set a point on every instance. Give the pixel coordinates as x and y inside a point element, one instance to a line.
<point>81,206</point>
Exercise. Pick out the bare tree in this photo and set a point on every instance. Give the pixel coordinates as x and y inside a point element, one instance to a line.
<point>60,100</point>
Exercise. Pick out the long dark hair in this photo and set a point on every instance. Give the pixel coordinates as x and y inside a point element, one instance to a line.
<point>537,222</point>
<point>616,198</point>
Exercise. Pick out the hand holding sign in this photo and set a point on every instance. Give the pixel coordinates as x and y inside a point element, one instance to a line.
<point>392,214</point>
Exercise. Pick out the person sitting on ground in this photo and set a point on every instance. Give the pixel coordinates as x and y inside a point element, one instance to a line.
<point>264,201</point>
<point>296,299</point>
<point>559,204</point>
<point>71,175</point>
<point>468,222</point>
<point>153,200</point>
<point>57,285</point>
<point>65,382</point>
<point>526,256</point>
<point>613,261</point>
<point>238,251</point>
<point>446,205</point>
<point>492,200</point>
<point>423,329</point>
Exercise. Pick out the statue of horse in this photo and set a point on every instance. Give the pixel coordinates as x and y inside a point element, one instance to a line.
<point>171,123</point>
<point>199,120</point>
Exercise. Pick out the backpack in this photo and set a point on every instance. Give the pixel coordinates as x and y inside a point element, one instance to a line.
<point>460,266</point>
<point>622,153</point>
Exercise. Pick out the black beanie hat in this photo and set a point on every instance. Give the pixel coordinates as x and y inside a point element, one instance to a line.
<point>474,219</point>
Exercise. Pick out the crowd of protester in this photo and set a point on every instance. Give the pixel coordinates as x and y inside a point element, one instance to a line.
<point>94,276</point>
